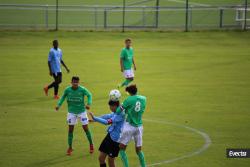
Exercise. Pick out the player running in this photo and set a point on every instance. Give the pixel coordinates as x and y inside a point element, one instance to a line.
<point>110,146</point>
<point>76,109</point>
<point>54,62</point>
<point>126,61</point>
<point>134,107</point>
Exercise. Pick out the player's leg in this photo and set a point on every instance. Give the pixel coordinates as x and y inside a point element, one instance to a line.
<point>138,145</point>
<point>52,85</point>
<point>84,120</point>
<point>129,77</point>
<point>58,80</point>
<point>125,138</point>
<point>102,157</point>
<point>111,161</point>
<point>123,155</point>
<point>71,119</point>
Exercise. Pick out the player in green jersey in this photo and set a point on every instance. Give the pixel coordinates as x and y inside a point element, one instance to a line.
<point>126,62</point>
<point>76,109</point>
<point>134,106</point>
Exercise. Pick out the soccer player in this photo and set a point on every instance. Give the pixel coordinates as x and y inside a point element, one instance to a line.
<point>110,146</point>
<point>76,109</point>
<point>134,107</point>
<point>54,62</point>
<point>126,61</point>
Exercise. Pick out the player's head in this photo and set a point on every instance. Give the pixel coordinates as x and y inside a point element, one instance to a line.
<point>132,90</point>
<point>75,81</point>
<point>55,43</point>
<point>128,42</point>
<point>113,105</point>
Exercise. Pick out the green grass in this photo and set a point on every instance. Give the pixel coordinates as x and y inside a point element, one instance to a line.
<point>198,79</point>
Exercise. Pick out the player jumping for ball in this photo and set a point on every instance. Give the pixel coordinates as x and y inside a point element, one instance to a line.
<point>126,61</point>
<point>134,107</point>
<point>76,109</point>
<point>110,146</point>
<point>54,63</point>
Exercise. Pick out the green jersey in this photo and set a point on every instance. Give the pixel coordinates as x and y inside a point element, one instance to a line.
<point>75,99</point>
<point>127,58</point>
<point>134,107</point>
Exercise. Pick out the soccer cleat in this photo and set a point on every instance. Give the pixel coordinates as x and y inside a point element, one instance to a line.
<point>56,97</point>
<point>91,148</point>
<point>69,151</point>
<point>46,89</point>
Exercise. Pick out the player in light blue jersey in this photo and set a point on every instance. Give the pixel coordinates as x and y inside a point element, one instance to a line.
<point>110,146</point>
<point>54,62</point>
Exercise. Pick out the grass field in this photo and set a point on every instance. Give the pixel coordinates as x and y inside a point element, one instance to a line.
<point>199,80</point>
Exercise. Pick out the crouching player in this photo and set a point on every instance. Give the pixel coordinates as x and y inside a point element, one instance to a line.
<point>110,146</point>
<point>76,109</point>
<point>134,107</point>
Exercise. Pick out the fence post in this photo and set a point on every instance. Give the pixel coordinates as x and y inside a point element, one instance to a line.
<point>157,13</point>
<point>221,17</point>
<point>56,15</point>
<point>245,16</point>
<point>105,18</point>
<point>123,16</point>
<point>186,24</point>
<point>46,16</point>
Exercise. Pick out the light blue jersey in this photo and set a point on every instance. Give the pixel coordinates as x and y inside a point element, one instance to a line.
<point>55,57</point>
<point>115,120</point>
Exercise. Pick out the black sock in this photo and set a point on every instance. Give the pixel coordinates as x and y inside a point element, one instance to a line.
<point>103,165</point>
<point>56,88</point>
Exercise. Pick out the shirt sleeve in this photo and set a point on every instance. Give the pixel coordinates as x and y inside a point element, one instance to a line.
<point>106,116</point>
<point>50,56</point>
<point>102,121</point>
<point>123,107</point>
<point>60,102</point>
<point>89,96</point>
<point>122,53</point>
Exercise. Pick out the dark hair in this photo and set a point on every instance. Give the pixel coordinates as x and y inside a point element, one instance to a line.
<point>132,89</point>
<point>76,78</point>
<point>128,39</point>
<point>114,103</point>
<point>55,41</point>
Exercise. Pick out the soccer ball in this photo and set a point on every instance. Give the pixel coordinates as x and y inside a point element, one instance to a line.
<point>114,95</point>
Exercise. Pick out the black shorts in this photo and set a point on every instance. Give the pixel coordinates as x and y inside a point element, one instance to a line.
<point>110,147</point>
<point>57,76</point>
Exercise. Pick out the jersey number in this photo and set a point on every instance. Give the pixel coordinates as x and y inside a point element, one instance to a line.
<point>137,106</point>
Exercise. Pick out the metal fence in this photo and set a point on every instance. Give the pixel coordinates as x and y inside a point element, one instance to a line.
<point>185,17</point>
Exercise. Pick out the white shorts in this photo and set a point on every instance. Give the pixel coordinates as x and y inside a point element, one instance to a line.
<point>129,73</point>
<point>72,118</point>
<point>129,133</point>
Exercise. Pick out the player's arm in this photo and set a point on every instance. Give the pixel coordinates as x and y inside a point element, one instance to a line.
<point>61,100</point>
<point>49,59</point>
<point>121,60</point>
<point>134,63</point>
<point>121,64</point>
<point>64,65</point>
<point>89,96</point>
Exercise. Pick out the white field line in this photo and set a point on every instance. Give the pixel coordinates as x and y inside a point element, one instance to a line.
<point>205,137</point>
<point>191,3</point>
